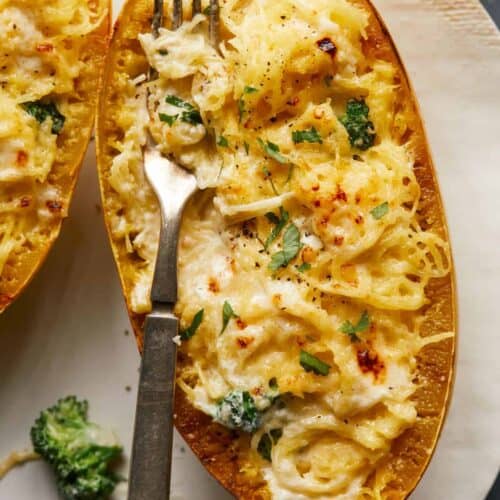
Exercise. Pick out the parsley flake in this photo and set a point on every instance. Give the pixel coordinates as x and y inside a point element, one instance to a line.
<point>380,211</point>
<point>311,363</point>
<point>305,266</point>
<point>266,442</point>
<point>241,102</point>
<point>280,223</point>
<point>311,135</point>
<point>265,446</point>
<point>291,247</point>
<point>249,90</point>
<point>222,142</point>
<point>272,150</point>
<point>191,329</point>
<point>191,115</point>
<point>227,314</point>
<point>170,119</point>
<point>268,176</point>
<point>357,124</point>
<point>361,326</point>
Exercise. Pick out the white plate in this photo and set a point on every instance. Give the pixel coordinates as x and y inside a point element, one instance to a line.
<point>66,333</point>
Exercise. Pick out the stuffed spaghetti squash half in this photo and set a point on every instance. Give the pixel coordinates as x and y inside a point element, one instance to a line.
<point>50,60</point>
<point>315,277</point>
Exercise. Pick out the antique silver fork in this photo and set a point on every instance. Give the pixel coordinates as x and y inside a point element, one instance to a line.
<point>153,433</point>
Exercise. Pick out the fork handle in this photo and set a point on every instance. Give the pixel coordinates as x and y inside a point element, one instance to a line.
<point>153,433</point>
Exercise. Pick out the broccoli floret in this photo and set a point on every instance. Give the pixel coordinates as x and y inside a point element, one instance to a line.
<point>360,129</point>
<point>79,451</point>
<point>238,411</point>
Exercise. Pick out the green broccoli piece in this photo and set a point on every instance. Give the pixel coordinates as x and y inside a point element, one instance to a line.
<point>42,110</point>
<point>360,129</point>
<point>79,451</point>
<point>237,410</point>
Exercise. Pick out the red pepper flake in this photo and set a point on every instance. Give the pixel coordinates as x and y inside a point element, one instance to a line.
<point>257,391</point>
<point>54,205</point>
<point>317,203</point>
<point>213,285</point>
<point>44,47</point>
<point>340,194</point>
<point>369,361</point>
<point>315,187</point>
<point>338,240</point>
<point>21,158</point>
<point>240,324</point>
<point>25,201</point>
<point>293,101</point>
<point>326,45</point>
<point>244,341</point>
<point>300,341</point>
<point>358,219</point>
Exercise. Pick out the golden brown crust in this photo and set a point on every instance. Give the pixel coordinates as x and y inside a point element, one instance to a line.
<point>219,449</point>
<point>72,143</point>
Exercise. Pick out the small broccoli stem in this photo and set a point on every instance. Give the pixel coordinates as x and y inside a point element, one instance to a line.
<point>16,458</point>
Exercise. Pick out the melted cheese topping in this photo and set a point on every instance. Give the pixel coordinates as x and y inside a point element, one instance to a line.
<point>263,85</point>
<point>39,60</point>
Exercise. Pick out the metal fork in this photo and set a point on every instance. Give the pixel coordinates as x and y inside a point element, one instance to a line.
<point>150,468</point>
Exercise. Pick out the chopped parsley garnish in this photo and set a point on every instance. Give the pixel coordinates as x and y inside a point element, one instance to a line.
<point>272,150</point>
<point>266,442</point>
<point>178,102</point>
<point>43,110</point>
<point>241,102</point>
<point>353,330</point>
<point>191,329</point>
<point>311,363</point>
<point>380,211</point>
<point>247,147</point>
<point>280,223</point>
<point>268,176</point>
<point>249,90</point>
<point>305,266</point>
<point>311,135</point>
<point>360,129</point>
<point>206,10</point>
<point>227,314</point>
<point>163,52</point>
<point>191,115</point>
<point>265,446</point>
<point>222,142</point>
<point>170,119</point>
<point>291,247</point>
<point>273,384</point>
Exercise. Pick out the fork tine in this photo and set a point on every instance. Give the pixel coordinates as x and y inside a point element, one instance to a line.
<point>157,17</point>
<point>177,14</point>
<point>196,7</point>
<point>213,27</point>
